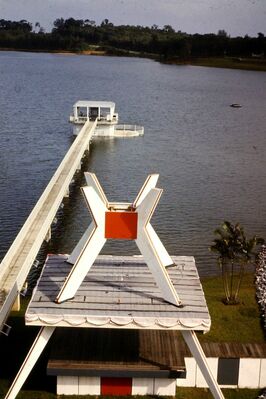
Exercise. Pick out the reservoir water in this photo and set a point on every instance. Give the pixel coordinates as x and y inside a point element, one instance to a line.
<point>210,157</point>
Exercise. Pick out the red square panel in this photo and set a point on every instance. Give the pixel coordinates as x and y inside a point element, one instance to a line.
<point>121,225</point>
<point>116,386</point>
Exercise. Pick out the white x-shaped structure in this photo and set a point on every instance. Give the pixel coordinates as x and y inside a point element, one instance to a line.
<point>120,221</point>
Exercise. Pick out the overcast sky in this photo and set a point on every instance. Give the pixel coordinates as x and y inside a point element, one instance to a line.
<point>237,17</point>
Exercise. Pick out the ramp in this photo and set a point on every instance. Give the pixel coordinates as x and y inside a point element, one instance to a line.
<point>22,253</point>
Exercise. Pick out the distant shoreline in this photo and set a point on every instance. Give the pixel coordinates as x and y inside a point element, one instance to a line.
<point>250,64</point>
<point>64,52</point>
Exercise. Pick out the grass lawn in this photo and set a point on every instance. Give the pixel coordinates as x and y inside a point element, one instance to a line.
<point>201,393</point>
<point>233,323</point>
<point>250,64</point>
<point>182,393</point>
<point>239,323</point>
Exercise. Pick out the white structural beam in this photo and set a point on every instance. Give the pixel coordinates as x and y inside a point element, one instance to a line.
<point>91,181</point>
<point>149,245</point>
<point>81,244</point>
<point>35,351</point>
<point>149,183</point>
<point>92,247</point>
<point>195,348</point>
<point>148,242</point>
<point>165,258</point>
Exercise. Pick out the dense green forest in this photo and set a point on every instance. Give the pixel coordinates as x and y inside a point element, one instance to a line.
<point>165,43</point>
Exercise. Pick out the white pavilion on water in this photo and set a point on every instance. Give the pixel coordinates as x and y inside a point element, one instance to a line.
<point>117,318</point>
<point>107,119</point>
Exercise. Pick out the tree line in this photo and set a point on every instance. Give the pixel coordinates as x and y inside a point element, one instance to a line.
<point>163,43</point>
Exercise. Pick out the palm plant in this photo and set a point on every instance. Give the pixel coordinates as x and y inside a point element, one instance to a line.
<point>235,251</point>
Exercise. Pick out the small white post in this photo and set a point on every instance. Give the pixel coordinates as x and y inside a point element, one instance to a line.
<point>67,193</point>
<point>195,348</point>
<point>35,351</point>
<point>16,304</point>
<point>48,235</point>
<point>75,113</point>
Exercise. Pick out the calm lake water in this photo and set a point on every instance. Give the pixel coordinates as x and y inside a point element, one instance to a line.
<point>210,157</point>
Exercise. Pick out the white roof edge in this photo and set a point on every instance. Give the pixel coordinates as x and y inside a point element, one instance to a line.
<point>154,323</point>
<point>85,103</point>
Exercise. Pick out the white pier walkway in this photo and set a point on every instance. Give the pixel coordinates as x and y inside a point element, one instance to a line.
<point>22,253</point>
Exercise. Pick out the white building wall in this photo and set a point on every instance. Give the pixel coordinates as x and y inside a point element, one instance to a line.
<point>73,385</point>
<point>164,386</point>
<point>252,374</point>
<point>200,380</point>
<point>67,385</point>
<point>262,383</point>
<point>89,385</point>
<point>142,386</point>
<point>190,380</point>
<point>249,373</point>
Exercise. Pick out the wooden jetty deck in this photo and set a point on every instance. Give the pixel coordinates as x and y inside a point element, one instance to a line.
<point>22,253</point>
<point>131,353</point>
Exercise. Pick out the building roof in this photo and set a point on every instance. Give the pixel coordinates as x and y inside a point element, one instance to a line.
<point>103,104</point>
<point>109,352</point>
<point>119,292</point>
<point>234,350</point>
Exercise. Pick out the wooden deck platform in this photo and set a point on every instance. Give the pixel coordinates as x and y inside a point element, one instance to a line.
<point>234,350</point>
<point>21,255</point>
<point>120,292</point>
<point>109,352</point>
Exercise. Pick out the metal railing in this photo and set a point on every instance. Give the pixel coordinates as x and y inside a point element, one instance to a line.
<point>101,118</point>
<point>130,128</point>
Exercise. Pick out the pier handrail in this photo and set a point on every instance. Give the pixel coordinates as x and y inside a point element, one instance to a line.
<point>124,126</point>
<point>127,127</point>
<point>10,283</point>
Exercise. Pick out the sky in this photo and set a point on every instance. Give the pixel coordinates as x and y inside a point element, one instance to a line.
<point>236,17</point>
